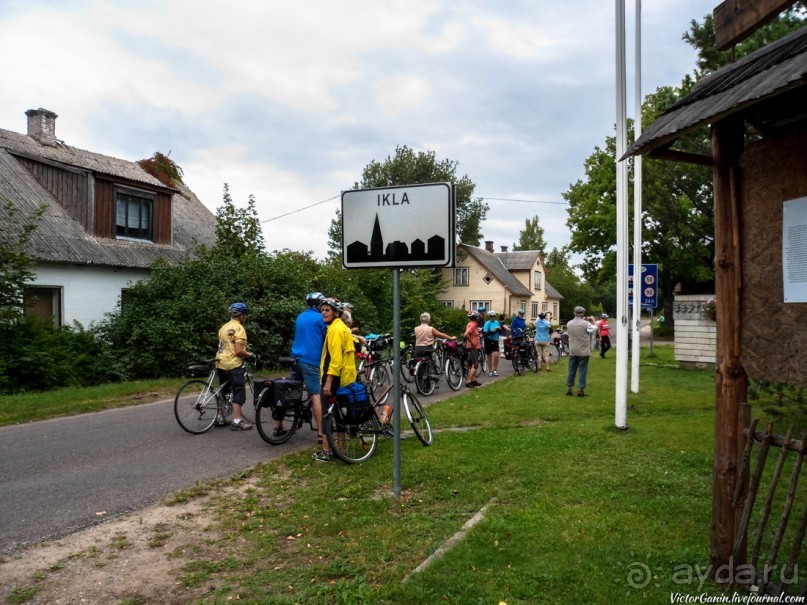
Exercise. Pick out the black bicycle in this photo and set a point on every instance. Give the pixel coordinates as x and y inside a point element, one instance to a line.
<point>523,354</point>
<point>282,405</point>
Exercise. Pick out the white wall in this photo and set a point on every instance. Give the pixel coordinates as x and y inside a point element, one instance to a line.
<point>88,293</point>
<point>695,333</point>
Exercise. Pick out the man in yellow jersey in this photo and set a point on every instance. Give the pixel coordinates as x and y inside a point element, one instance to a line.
<point>338,364</point>
<point>230,358</point>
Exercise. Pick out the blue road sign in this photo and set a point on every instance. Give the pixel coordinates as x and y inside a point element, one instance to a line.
<point>648,286</point>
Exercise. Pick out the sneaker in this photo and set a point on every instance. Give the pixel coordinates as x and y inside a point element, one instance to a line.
<point>569,392</point>
<point>470,385</point>
<point>580,393</point>
<point>220,421</point>
<point>548,369</point>
<point>241,426</point>
<point>476,383</point>
<point>323,456</point>
<point>495,373</point>
<point>279,432</point>
<point>490,374</point>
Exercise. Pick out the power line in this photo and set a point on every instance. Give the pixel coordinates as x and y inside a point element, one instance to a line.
<point>274,218</point>
<point>507,199</point>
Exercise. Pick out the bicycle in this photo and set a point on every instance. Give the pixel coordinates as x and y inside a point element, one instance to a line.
<point>372,370</point>
<point>559,347</point>
<point>283,406</point>
<point>429,370</point>
<point>198,403</point>
<point>523,354</point>
<point>353,430</point>
<point>408,360</point>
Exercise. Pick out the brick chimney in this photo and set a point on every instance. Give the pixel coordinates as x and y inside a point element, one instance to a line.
<point>504,248</point>
<point>42,126</point>
<point>489,245</point>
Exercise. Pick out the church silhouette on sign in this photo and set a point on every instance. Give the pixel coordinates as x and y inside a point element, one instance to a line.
<point>360,252</point>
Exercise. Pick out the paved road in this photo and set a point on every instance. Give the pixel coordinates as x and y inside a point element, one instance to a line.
<point>58,476</point>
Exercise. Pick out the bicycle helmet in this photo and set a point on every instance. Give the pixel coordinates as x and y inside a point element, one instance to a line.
<point>473,315</point>
<point>605,316</point>
<point>481,310</point>
<point>238,308</point>
<point>492,313</point>
<point>333,304</point>
<point>314,299</point>
<point>521,311</point>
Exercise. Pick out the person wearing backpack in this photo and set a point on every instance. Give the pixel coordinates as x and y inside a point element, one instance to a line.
<point>492,331</point>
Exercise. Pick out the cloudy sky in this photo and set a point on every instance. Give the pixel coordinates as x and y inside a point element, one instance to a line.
<point>289,101</point>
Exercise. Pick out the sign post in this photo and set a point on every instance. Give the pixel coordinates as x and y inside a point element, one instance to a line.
<point>408,226</point>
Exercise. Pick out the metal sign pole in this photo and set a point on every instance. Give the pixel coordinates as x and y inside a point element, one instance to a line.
<point>396,380</point>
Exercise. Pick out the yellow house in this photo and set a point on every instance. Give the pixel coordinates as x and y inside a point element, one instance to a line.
<point>503,281</point>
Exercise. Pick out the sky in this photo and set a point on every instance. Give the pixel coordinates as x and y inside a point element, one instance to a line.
<point>290,101</point>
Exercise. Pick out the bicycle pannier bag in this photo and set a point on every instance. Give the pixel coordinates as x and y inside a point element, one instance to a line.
<point>287,393</point>
<point>356,405</point>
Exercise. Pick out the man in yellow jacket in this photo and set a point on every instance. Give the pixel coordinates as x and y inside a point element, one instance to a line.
<point>338,363</point>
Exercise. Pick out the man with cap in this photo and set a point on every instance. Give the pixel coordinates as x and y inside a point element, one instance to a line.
<point>579,330</point>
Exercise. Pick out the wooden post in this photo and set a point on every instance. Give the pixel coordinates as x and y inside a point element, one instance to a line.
<point>731,381</point>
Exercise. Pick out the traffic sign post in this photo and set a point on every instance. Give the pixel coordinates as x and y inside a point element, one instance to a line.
<point>647,285</point>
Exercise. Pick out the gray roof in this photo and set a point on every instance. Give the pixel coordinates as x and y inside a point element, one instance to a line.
<point>60,239</point>
<point>772,71</point>
<point>500,265</point>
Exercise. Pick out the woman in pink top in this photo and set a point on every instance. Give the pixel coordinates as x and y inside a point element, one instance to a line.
<point>474,346</point>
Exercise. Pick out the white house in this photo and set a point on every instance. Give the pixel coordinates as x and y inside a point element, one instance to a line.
<point>106,221</point>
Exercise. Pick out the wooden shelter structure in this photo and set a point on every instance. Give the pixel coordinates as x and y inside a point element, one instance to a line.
<point>756,109</point>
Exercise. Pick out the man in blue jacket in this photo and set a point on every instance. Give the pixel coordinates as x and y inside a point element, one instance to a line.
<point>309,336</point>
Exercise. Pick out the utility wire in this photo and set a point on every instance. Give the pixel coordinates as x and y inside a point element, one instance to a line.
<point>496,199</point>
<point>274,218</point>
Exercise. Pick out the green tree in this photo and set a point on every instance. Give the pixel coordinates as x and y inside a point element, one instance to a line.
<point>238,230</point>
<point>561,274</point>
<point>16,230</point>
<point>532,236</point>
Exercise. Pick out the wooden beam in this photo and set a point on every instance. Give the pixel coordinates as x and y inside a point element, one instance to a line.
<point>735,20</point>
<point>681,156</point>
<point>731,380</point>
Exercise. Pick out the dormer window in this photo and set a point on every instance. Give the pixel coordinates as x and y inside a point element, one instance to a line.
<point>134,214</point>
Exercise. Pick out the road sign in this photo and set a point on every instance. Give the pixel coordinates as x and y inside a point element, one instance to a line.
<point>648,286</point>
<point>406,226</point>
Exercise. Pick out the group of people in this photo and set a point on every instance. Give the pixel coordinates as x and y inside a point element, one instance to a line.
<point>324,347</point>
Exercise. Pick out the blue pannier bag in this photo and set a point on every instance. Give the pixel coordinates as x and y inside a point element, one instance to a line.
<point>355,404</point>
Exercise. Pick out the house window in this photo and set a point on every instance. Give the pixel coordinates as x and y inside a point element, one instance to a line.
<point>45,303</point>
<point>534,311</point>
<point>134,211</point>
<point>544,307</point>
<point>461,276</point>
<point>554,309</point>
<point>448,303</point>
<point>475,304</point>
<point>537,280</point>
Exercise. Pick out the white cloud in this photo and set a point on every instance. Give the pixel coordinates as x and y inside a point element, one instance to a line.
<point>402,93</point>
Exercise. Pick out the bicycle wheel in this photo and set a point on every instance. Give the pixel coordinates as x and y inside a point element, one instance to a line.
<point>554,353</point>
<point>532,357</point>
<point>275,425</point>
<point>417,418</point>
<point>518,364</point>
<point>352,444</point>
<point>196,407</point>
<point>454,373</point>
<point>424,381</point>
<point>483,362</point>
<point>248,409</point>
<point>407,358</point>
<point>378,381</point>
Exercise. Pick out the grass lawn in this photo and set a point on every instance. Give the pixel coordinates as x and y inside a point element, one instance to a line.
<point>575,511</point>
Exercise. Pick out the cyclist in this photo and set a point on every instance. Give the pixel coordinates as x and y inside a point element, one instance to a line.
<point>604,332</point>
<point>309,336</point>
<point>229,361</point>
<point>474,347</point>
<point>493,331</point>
<point>338,362</point>
<point>543,327</point>
<point>425,335</point>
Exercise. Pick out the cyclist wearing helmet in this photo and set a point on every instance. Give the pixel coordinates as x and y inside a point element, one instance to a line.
<point>230,357</point>
<point>338,363</point>
<point>309,336</point>
<point>493,331</point>
<point>474,347</point>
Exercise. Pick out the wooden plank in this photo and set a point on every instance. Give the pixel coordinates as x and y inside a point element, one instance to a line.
<point>735,20</point>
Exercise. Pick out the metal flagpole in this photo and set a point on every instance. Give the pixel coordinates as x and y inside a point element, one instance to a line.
<point>621,225</point>
<point>637,213</point>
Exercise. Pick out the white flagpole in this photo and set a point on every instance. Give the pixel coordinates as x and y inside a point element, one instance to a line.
<point>621,225</point>
<point>637,213</point>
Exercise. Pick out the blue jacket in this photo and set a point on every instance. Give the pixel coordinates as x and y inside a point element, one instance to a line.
<point>518,326</point>
<point>309,335</point>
